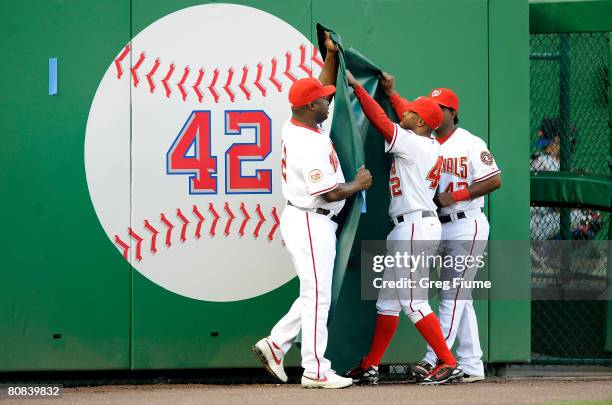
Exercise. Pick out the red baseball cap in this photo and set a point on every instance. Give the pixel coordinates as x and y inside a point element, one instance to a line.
<point>304,91</point>
<point>428,109</point>
<point>446,98</point>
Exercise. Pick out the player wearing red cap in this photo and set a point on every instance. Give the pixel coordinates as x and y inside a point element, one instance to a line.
<point>469,173</point>
<point>315,189</point>
<point>414,177</point>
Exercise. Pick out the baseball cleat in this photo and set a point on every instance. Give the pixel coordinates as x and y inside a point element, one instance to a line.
<point>472,378</point>
<point>360,376</point>
<point>271,358</point>
<point>330,380</point>
<point>443,374</point>
<point>420,370</point>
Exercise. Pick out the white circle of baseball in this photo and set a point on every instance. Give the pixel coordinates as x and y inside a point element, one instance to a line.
<point>141,105</point>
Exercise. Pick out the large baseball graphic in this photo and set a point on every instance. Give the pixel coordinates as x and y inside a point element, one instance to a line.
<point>182,149</point>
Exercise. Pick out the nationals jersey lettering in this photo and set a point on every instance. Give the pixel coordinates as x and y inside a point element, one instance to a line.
<point>309,167</point>
<point>455,166</point>
<point>415,172</point>
<point>467,160</point>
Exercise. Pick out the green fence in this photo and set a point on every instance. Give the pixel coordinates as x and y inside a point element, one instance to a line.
<point>569,134</point>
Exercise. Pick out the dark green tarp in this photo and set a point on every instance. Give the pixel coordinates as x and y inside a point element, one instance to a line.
<point>357,142</point>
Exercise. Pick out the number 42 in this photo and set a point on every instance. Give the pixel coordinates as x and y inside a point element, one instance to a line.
<point>201,165</point>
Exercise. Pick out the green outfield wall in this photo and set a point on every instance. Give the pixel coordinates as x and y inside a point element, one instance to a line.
<point>69,300</point>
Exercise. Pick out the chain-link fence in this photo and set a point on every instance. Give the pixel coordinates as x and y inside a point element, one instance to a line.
<point>569,103</point>
<point>570,132</point>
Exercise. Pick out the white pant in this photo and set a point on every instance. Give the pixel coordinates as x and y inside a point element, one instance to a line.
<point>415,236</point>
<point>456,313</point>
<point>311,240</point>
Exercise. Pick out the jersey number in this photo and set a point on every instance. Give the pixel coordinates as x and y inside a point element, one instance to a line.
<point>434,174</point>
<point>191,153</point>
<point>459,185</point>
<point>394,182</point>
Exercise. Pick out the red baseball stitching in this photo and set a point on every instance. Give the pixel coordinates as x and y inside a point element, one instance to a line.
<point>272,77</point>
<point>196,86</point>
<point>181,84</point>
<point>230,75</point>
<point>257,83</point>
<point>185,222</point>
<point>187,86</point>
<point>262,219</point>
<point>276,223</point>
<point>169,227</point>
<point>231,216</point>
<point>212,210</point>
<point>242,85</point>
<point>139,240</point>
<point>154,233</point>
<point>165,80</point>
<point>288,68</point>
<point>120,58</point>
<point>151,74</point>
<point>302,64</point>
<point>246,219</point>
<point>134,70</point>
<point>198,219</point>
<point>315,57</point>
<point>211,88</point>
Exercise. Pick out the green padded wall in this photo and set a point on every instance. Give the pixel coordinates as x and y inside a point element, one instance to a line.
<point>63,276</point>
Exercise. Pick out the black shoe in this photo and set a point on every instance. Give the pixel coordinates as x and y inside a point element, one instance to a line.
<point>361,376</point>
<point>443,374</point>
<point>420,370</point>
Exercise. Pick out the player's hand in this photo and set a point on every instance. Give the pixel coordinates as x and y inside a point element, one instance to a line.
<point>363,178</point>
<point>388,83</point>
<point>329,44</point>
<point>444,200</point>
<point>351,79</point>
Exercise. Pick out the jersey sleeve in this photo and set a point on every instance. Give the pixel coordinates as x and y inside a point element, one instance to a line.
<point>482,163</point>
<point>318,168</point>
<point>402,144</point>
<point>399,104</point>
<point>374,113</point>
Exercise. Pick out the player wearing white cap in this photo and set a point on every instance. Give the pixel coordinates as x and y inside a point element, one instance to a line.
<point>315,189</point>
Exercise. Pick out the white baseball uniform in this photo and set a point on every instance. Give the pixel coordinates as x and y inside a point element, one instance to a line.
<point>466,160</point>
<point>310,168</point>
<point>413,181</point>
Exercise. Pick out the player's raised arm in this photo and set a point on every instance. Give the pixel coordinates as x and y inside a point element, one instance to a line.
<point>399,104</point>
<point>330,67</point>
<point>374,112</point>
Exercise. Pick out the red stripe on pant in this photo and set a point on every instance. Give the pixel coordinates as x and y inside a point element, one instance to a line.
<point>462,273</point>
<point>314,267</point>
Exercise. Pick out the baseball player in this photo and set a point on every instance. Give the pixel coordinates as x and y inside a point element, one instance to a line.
<point>469,172</point>
<point>315,189</point>
<point>414,177</point>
